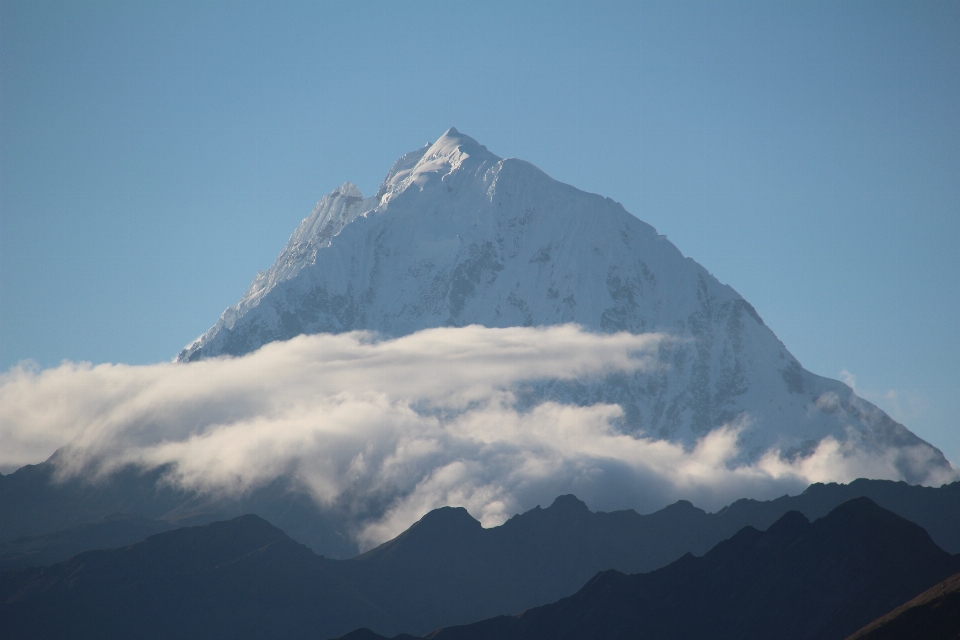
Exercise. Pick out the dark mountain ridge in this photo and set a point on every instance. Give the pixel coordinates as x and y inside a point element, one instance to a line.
<point>34,502</point>
<point>445,570</point>
<point>245,578</point>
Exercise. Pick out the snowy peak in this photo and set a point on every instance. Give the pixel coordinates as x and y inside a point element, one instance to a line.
<point>400,171</point>
<point>347,190</point>
<point>434,162</point>
<point>345,204</point>
<point>453,143</point>
<point>328,218</point>
<point>458,236</point>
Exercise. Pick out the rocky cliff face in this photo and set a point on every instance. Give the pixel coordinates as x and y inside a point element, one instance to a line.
<point>458,236</point>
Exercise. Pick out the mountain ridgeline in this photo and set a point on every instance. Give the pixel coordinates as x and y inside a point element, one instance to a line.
<point>458,236</point>
<point>244,578</point>
<point>795,581</point>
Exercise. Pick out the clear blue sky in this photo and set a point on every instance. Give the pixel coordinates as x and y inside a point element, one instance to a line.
<point>155,155</point>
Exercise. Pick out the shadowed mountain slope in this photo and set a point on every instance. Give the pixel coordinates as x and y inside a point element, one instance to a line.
<point>933,615</point>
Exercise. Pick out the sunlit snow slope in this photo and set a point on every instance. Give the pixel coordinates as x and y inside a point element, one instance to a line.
<point>458,236</point>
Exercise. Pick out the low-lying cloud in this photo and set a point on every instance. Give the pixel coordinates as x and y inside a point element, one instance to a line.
<point>420,422</point>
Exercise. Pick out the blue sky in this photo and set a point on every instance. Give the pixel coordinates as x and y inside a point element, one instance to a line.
<point>154,156</point>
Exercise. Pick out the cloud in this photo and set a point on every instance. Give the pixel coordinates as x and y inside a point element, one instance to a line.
<point>902,406</point>
<point>411,423</point>
<point>848,379</point>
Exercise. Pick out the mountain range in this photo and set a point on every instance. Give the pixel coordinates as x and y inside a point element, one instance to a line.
<point>796,580</point>
<point>48,519</point>
<point>446,569</point>
<point>246,578</point>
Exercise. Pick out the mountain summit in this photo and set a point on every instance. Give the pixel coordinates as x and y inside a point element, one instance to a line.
<point>456,235</point>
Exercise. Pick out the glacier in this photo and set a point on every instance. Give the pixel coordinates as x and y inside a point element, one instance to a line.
<point>457,236</point>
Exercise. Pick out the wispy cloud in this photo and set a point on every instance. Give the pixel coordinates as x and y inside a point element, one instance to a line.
<point>417,422</point>
<point>902,406</point>
<point>848,379</point>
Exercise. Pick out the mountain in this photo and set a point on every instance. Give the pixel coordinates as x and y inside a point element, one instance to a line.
<point>241,578</point>
<point>444,570</point>
<point>794,581</point>
<point>457,235</point>
<point>447,569</point>
<point>246,578</point>
<point>36,502</point>
<point>114,530</point>
<point>46,519</point>
<point>464,572</point>
<point>937,510</point>
<point>932,615</point>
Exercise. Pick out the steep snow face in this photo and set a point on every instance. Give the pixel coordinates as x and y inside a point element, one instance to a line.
<point>458,236</point>
<point>329,217</point>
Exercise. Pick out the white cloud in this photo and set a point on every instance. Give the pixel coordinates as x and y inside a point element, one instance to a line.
<point>848,379</point>
<point>418,422</point>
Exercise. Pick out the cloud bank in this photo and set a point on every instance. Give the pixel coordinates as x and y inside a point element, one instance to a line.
<point>416,422</point>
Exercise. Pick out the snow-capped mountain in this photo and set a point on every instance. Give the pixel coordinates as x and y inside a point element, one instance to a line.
<point>457,236</point>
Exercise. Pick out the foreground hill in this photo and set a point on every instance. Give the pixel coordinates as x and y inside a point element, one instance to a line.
<point>797,580</point>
